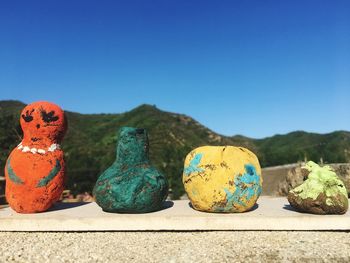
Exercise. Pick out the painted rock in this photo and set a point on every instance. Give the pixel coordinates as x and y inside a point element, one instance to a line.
<point>222,179</point>
<point>131,184</point>
<point>35,169</point>
<point>321,193</point>
<point>297,175</point>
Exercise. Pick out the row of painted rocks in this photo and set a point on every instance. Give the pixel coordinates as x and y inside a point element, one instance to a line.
<point>216,178</point>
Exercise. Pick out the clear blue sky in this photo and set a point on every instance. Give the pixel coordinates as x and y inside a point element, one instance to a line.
<point>255,68</point>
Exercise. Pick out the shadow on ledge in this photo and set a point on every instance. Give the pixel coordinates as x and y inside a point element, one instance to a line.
<point>165,205</point>
<point>61,206</point>
<point>290,208</point>
<point>256,206</point>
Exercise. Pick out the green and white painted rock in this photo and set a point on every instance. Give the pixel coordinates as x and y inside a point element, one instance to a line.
<point>131,184</point>
<point>321,193</point>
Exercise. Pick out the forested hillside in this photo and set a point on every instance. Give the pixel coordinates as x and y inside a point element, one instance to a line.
<point>90,143</point>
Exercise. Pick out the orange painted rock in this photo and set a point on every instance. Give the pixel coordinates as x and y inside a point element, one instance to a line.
<point>35,169</point>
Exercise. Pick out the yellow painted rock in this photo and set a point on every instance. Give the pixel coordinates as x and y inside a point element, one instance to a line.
<point>222,179</point>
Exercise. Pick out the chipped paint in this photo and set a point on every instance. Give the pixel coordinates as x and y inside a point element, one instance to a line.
<point>248,185</point>
<point>230,179</point>
<point>194,163</point>
<point>12,175</point>
<point>47,179</point>
<point>131,184</point>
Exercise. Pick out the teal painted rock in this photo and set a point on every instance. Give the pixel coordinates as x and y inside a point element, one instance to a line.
<point>321,193</point>
<point>131,184</point>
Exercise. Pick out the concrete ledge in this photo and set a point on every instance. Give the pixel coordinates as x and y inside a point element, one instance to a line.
<point>270,214</point>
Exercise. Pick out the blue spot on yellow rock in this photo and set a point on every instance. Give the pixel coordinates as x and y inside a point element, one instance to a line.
<point>232,198</point>
<point>193,166</point>
<point>248,185</point>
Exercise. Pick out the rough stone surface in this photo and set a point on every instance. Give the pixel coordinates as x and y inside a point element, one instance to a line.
<point>222,179</point>
<point>343,171</point>
<point>296,175</point>
<point>321,193</point>
<point>35,169</point>
<point>212,246</point>
<point>131,184</point>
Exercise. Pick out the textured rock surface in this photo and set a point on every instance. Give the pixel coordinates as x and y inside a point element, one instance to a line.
<point>222,179</point>
<point>296,176</point>
<point>131,184</point>
<point>35,169</point>
<point>321,193</point>
<point>343,171</point>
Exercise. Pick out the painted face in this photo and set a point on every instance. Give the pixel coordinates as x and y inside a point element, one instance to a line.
<point>43,121</point>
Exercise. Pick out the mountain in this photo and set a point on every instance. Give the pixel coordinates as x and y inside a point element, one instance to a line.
<point>90,143</point>
<point>296,146</point>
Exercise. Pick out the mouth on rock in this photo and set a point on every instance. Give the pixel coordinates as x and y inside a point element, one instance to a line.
<point>30,149</point>
<point>50,125</point>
